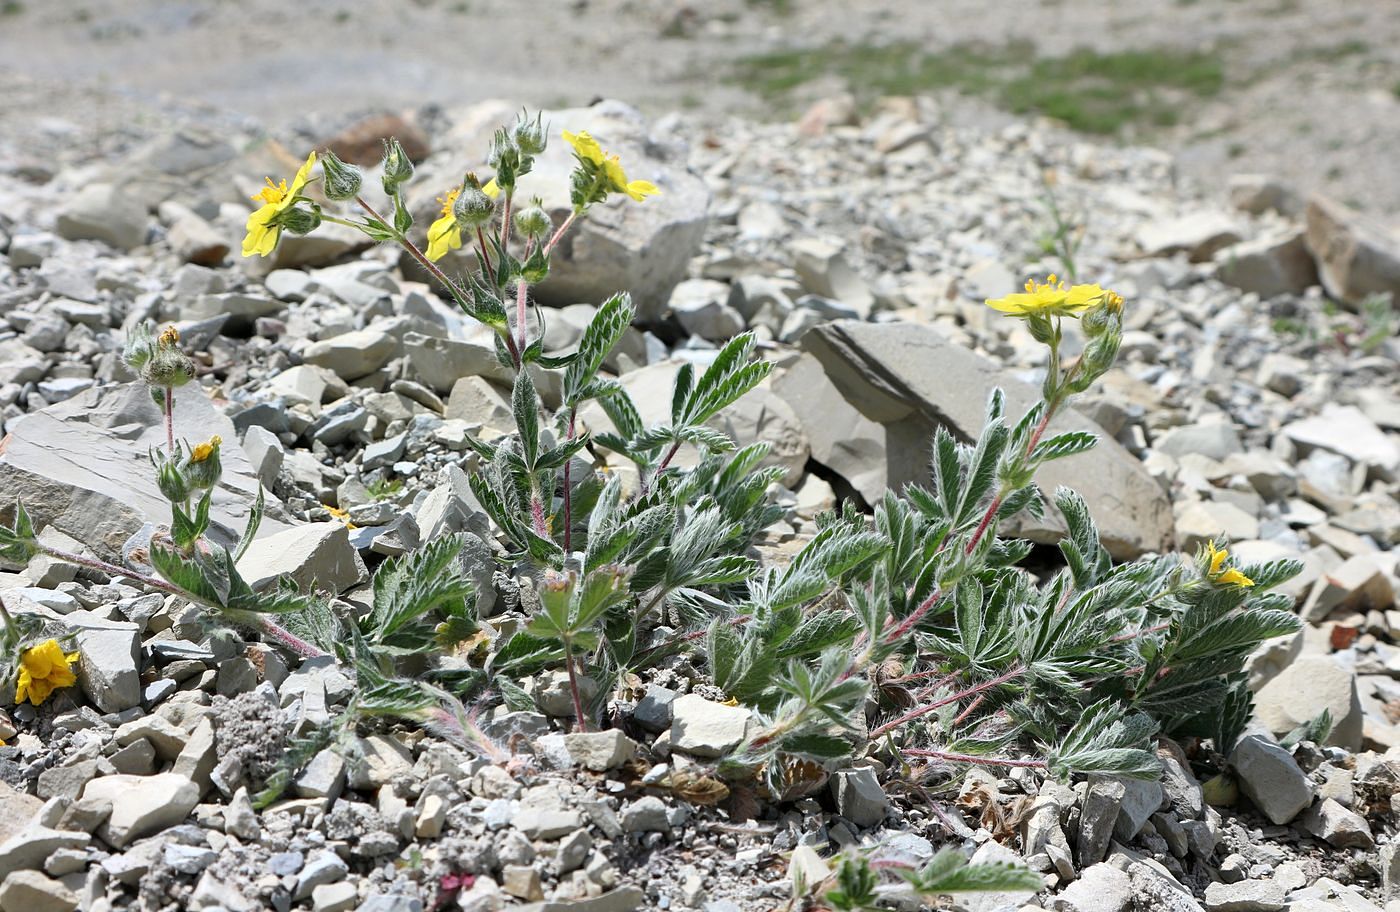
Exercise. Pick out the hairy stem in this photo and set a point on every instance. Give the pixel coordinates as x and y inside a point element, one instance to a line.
<point>170,419</point>
<point>939,704</point>
<point>485,256</point>
<point>579,718</point>
<point>453,288</point>
<point>554,238</point>
<point>263,624</point>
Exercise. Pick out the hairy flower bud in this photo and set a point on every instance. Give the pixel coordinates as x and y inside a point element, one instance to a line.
<point>398,167</point>
<point>530,135</point>
<point>168,367</point>
<point>171,482</point>
<point>533,221</point>
<point>342,181</point>
<point>203,468</point>
<point>472,208</point>
<point>300,221</point>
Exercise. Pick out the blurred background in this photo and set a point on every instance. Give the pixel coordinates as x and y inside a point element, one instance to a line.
<point>1308,90</point>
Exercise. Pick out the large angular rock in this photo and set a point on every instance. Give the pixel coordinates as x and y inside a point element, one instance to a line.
<point>1306,688</point>
<point>706,728</point>
<point>911,379</point>
<point>623,245</point>
<point>838,435</point>
<point>318,555</point>
<point>102,212</point>
<point>1345,429</point>
<point>109,670</point>
<point>1198,234</point>
<point>82,466</point>
<point>353,355</point>
<point>142,805</point>
<point>1271,778</point>
<point>1354,257</point>
<point>1268,266</point>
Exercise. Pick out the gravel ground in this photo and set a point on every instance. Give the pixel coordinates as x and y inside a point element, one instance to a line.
<point>1309,91</point>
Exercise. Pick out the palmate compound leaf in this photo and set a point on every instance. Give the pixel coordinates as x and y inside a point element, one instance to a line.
<point>1107,739</point>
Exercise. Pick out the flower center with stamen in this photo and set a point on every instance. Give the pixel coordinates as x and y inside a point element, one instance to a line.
<point>448,200</point>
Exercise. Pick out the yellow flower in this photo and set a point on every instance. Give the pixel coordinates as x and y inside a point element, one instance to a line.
<point>263,227</point>
<point>1052,298</point>
<point>1216,571</point>
<point>491,188</point>
<point>42,670</point>
<point>170,336</point>
<point>445,234</point>
<point>589,152</point>
<point>342,515</point>
<point>203,451</point>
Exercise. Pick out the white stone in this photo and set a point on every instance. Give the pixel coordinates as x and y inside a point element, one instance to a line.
<point>142,805</point>
<point>705,728</point>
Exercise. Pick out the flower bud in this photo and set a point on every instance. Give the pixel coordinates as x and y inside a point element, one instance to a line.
<point>203,468</point>
<point>530,135</point>
<point>168,367</point>
<point>398,167</point>
<point>533,221</point>
<point>300,221</point>
<point>171,482</point>
<point>472,207</point>
<point>342,181</point>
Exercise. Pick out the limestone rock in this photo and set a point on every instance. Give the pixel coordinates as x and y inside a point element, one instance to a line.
<point>1271,778</point>
<point>1330,821</point>
<point>1354,257</point>
<point>103,212</point>
<point>911,379</point>
<point>1303,690</point>
<point>705,728</point>
<point>109,670</point>
<point>1345,429</point>
<point>1268,266</point>
<point>600,751</point>
<point>353,355</point>
<point>1198,234</point>
<point>318,554</point>
<point>859,797</point>
<point>31,891</point>
<point>142,805</point>
<point>82,466</point>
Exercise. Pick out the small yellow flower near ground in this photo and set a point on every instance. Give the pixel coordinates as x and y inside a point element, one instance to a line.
<point>203,451</point>
<point>42,670</point>
<point>169,336</point>
<point>445,234</point>
<point>263,228</point>
<point>609,166</point>
<point>342,515</point>
<point>1052,298</point>
<point>1218,574</point>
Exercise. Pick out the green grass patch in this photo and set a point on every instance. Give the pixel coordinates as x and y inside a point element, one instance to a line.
<point>1089,91</point>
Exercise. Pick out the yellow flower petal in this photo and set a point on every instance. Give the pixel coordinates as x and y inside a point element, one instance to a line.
<point>491,188</point>
<point>640,190</point>
<point>586,146</point>
<point>443,235</point>
<point>261,238</point>
<point>43,669</point>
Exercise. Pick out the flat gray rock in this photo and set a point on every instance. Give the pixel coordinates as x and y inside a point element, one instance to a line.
<point>83,466</point>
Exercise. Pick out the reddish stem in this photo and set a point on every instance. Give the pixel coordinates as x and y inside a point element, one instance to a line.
<point>581,722</point>
<point>939,704</point>
<point>554,239</point>
<point>170,419</point>
<point>485,257</point>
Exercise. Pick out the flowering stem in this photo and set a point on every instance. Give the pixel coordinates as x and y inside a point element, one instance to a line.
<point>939,704</point>
<point>522,290</point>
<point>485,257</point>
<point>505,217</point>
<point>579,718</point>
<point>263,624</point>
<point>170,419</point>
<point>973,758</point>
<point>554,239</point>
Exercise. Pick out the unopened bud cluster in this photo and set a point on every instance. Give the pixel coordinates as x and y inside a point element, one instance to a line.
<point>183,475</point>
<point>158,360</point>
